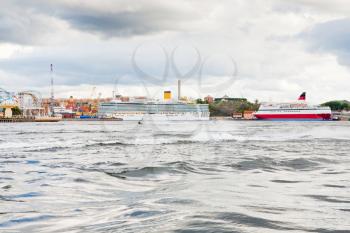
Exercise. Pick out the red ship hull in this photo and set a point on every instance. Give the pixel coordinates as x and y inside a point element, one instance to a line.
<point>325,116</point>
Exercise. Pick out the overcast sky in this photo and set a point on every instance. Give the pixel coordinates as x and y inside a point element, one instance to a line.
<point>266,50</point>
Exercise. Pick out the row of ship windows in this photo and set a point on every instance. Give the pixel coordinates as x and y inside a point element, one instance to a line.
<point>162,113</point>
<point>139,108</point>
<point>151,111</point>
<point>285,110</point>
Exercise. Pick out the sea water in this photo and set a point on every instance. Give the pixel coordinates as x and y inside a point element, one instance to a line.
<point>215,176</point>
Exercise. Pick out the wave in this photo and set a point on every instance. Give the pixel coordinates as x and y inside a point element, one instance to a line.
<point>269,164</point>
<point>343,200</point>
<point>223,221</point>
<point>202,137</point>
<point>108,143</point>
<point>176,137</point>
<point>301,134</point>
<point>49,149</point>
<point>25,220</point>
<point>144,172</point>
<point>214,137</point>
<point>154,172</point>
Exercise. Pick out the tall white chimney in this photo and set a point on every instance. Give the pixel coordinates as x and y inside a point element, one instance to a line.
<point>179,89</point>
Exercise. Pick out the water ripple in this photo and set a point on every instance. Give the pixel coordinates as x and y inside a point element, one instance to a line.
<point>217,176</point>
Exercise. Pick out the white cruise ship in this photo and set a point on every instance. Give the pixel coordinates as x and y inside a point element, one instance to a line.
<point>135,111</point>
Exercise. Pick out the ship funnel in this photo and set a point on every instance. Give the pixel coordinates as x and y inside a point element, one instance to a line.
<point>167,95</point>
<point>302,96</point>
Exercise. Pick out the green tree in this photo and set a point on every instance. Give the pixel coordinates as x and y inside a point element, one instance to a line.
<point>16,111</point>
<point>227,108</point>
<point>199,101</point>
<point>338,105</point>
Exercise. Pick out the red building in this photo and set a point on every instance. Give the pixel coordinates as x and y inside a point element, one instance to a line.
<point>209,99</point>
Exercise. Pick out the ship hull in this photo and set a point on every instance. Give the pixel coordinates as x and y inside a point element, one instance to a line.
<point>308,116</point>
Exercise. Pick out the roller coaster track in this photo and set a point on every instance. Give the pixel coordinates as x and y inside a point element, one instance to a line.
<point>35,100</point>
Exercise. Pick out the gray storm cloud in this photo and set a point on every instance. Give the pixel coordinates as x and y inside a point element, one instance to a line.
<point>330,37</point>
<point>28,22</point>
<point>19,26</point>
<point>124,22</point>
<point>92,42</point>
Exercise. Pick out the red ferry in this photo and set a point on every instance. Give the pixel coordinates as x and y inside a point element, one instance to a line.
<point>293,111</point>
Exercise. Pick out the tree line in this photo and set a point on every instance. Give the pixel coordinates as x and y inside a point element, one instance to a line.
<point>229,107</point>
<point>338,105</point>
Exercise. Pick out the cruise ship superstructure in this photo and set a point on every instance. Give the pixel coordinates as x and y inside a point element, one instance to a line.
<point>139,109</point>
<point>134,111</point>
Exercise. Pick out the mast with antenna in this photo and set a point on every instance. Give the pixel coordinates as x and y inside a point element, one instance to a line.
<point>52,104</point>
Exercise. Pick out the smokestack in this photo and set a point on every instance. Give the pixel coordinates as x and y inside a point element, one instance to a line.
<point>167,95</point>
<point>179,89</point>
<point>52,99</point>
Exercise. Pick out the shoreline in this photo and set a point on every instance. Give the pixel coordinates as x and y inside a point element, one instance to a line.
<point>32,119</point>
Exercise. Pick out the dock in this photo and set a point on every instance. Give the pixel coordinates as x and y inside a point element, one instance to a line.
<point>16,119</point>
<point>20,119</point>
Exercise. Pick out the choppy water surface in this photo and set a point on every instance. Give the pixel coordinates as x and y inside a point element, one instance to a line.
<point>218,176</point>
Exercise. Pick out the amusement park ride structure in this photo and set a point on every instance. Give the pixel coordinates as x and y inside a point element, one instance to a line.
<point>30,104</point>
<point>7,102</point>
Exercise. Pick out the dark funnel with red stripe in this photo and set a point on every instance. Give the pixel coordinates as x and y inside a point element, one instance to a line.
<point>302,96</point>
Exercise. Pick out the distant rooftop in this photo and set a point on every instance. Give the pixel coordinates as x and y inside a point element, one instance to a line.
<point>227,98</point>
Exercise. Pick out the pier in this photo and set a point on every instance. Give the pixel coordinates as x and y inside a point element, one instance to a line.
<point>29,119</point>
<point>16,119</point>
